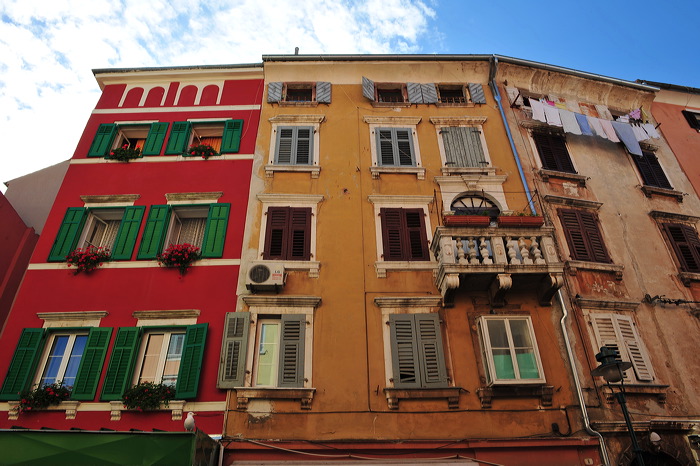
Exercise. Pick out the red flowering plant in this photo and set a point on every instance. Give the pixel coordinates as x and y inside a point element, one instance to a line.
<point>43,396</point>
<point>124,153</point>
<point>148,396</point>
<point>179,256</point>
<point>88,259</point>
<point>202,150</point>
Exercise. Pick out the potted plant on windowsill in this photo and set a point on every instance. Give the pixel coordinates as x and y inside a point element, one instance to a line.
<point>148,396</point>
<point>451,220</point>
<point>179,256</point>
<point>124,153</point>
<point>43,396</point>
<point>88,259</point>
<point>201,150</point>
<point>521,220</point>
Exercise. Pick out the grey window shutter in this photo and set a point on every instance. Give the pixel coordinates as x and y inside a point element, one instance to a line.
<point>368,88</point>
<point>274,92</point>
<point>285,145</point>
<point>477,93</point>
<point>463,147</point>
<point>323,92</point>
<point>233,350</point>
<point>432,358</point>
<point>415,96</point>
<point>404,147</point>
<point>303,150</point>
<point>404,351</point>
<point>291,364</point>
<point>429,93</point>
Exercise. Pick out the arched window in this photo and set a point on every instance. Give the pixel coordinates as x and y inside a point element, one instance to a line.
<point>474,204</point>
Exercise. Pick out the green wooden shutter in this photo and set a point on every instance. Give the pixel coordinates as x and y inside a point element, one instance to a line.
<point>91,363</point>
<point>233,350</point>
<point>128,231</point>
<point>404,351</point>
<point>432,358</point>
<point>102,144</point>
<point>155,138</point>
<point>154,232</point>
<point>23,364</point>
<point>291,364</point>
<point>231,139</point>
<point>68,233</point>
<point>215,231</point>
<point>191,362</point>
<point>179,137</point>
<point>121,363</point>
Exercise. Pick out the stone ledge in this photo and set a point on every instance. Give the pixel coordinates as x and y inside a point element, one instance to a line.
<point>314,170</point>
<point>651,190</point>
<point>659,391</point>
<point>244,394</point>
<point>688,277</point>
<point>615,269</point>
<point>451,394</point>
<point>547,174</point>
<point>418,171</point>
<point>543,392</point>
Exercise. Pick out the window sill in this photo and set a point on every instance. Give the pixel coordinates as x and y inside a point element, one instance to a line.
<point>450,394</point>
<point>382,266</point>
<point>391,104</point>
<point>543,392</point>
<point>657,390</point>
<point>70,407</point>
<point>312,103</point>
<point>314,170</point>
<point>176,407</point>
<point>460,104</point>
<point>418,171</point>
<point>488,171</point>
<point>312,267</point>
<point>651,190</point>
<point>573,267</point>
<point>688,277</point>
<point>547,174</point>
<point>244,394</point>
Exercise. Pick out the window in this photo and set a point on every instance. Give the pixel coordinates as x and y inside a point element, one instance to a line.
<point>44,356</point>
<point>510,350</point>
<point>223,136</point>
<point>583,235</point>
<point>650,170</point>
<point>293,93</point>
<point>294,145</point>
<point>693,118</point>
<point>148,137</point>
<point>172,355</point>
<point>395,147</point>
<point>463,147</point>
<point>685,243</point>
<point>620,333</point>
<point>385,93</point>
<point>417,355</point>
<point>451,94</point>
<point>201,225</point>
<point>404,236</point>
<point>405,94</point>
<point>553,152</point>
<point>113,228</point>
<point>474,205</point>
<point>288,233</point>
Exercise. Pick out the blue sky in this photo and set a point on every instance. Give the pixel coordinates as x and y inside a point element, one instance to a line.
<point>49,47</point>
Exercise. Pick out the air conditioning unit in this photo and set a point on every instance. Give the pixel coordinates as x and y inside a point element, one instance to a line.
<point>265,276</point>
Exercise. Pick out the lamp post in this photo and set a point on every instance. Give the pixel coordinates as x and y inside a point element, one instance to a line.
<point>611,368</point>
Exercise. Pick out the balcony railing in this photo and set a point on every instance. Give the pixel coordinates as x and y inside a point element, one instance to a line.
<point>497,259</point>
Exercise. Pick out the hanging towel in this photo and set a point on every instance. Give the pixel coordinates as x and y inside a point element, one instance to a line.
<point>597,127</point>
<point>636,114</point>
<point>603,112</point>
<point>651,130</point>
<point>583,124</point>
<point>568,120</point>
<point>609,131</point>
<point>626,134</point>
<point>537,110</point>
<point>639,133</point>
<point>552,114</point>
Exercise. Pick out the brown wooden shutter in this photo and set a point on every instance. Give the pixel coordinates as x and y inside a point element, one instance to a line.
<point>651,171</point>
<point>553,152</point>
<point>392,234</point>
<point>276,232</point>
<point>417,239</point>
<point>593,236</point>
<point>288,233</point>
<point>685,243</point>
<point>299,244</point>
<point>583,235</point>
<point>403,234</point>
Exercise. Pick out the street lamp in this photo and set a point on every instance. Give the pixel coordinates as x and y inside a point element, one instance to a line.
<point>612,369</point>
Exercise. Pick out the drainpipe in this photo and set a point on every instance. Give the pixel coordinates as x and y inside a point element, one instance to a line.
<point>577,382</point>
<point>497,96</point>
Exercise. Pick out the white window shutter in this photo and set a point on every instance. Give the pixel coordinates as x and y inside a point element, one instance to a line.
<point>514,96</point>
<point>368,88</point>
<point>635,349</point>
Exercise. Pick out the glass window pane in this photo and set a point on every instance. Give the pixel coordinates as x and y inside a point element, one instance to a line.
<point>527,364</point>
<point>268,354</point>
<point>151,356</point>
<point>497,333</point>
<point>53,362</point>
<point>172,359</point>
<point>503,364</point>
<point>521,333</point>
<point>76,355</point>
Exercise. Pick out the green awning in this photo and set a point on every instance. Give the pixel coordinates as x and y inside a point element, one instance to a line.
<point>31,447</point>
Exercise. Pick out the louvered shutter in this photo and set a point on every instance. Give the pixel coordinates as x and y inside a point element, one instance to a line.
<point>231,137</point>
<point>415,95</point>
<point>463,147</point>
<point>583,236</point>
<point>693,119</point>
<point>276,233</point>
<point>634,348</point>
<point>215,230</point>
<point>23,364</point>
<point>102,144</point>
<point>121,363</point>
<point>154,232</point>
<point>593,236</point>
<point>284,146</point>
<point>155,139</point>
<point>288,233</point>
<point>323,92</point>
<point>392,234</point>
<point>128,231</point>
<point>650,170</point>
<point>476,91</point>
<point>432,359</point>
<point>299,244</point>
<point>274,92</point>
<point>303,145</point>
<point>233,350</point>
<point>415,238</point>
<point>607,333</point>
<point>191,362</point>
<point>404,147</point>
<point>429,93</point>
<point>553,152</point>
<point>179,138</point>
<point>404,351</point>
<point>685,243</point>
<point>291,364</point>
<point>91,363</point>
<point>68,233</point>
<point>385,147</point>
<point>368,88</point>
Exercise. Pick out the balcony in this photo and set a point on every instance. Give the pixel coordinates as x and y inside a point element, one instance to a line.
<point>497,260</point>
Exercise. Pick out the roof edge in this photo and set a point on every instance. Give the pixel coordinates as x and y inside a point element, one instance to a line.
<point>670,87</point>
<point>97,71</point>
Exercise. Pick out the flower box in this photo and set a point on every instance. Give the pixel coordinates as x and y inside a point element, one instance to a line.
<point>524,221</point>
<point>466,220</point>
